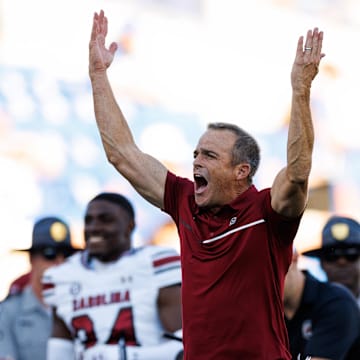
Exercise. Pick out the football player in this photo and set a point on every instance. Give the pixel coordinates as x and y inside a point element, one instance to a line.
<point>113,301</point>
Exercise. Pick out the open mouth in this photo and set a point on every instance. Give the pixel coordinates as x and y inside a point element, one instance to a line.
<point>200,183</point>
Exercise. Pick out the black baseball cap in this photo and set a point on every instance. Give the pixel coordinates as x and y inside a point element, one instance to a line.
<point>49,236</point>
<point>338,232</point>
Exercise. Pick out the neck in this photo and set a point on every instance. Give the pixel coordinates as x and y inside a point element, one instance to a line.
<point>231,198</point>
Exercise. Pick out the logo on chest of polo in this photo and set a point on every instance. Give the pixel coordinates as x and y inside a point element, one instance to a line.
<point>87,302</point>
<point>232,220</point>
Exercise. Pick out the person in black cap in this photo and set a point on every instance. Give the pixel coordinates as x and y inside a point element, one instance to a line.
<point>322,318</point>
<point>339,253</point>
<point>50,245</point>
<point>25,321</point>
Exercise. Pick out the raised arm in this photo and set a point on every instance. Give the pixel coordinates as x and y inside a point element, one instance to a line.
<point>145,173</point>
<point>289,192</point>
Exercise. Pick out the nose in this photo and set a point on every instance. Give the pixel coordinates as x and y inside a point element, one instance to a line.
<point>93,226</point>
<point>197,161</point>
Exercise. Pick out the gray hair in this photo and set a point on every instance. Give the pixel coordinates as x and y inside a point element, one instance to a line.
<point>245,149</point>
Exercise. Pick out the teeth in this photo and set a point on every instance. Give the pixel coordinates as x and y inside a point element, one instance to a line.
<point>95,239</point>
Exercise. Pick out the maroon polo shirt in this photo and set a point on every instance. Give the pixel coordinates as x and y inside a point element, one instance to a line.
<point>233,267</point>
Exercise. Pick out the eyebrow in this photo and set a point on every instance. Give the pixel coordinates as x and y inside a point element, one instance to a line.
<point>206,152</point>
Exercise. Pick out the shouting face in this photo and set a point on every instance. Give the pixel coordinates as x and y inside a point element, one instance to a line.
<point>217,181</point>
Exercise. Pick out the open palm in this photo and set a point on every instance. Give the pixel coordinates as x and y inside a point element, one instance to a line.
<point>100,58</point>
<point>307,59</point>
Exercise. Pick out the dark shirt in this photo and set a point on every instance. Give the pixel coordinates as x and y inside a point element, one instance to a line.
<point>233,265</point>
<point>326,324</point>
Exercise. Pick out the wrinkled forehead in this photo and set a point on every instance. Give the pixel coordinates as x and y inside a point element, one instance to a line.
<point>218,139</point>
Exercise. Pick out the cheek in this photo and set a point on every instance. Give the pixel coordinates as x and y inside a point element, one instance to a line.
<point>224,186</point>
<point>221,177</point>
<point>335,271</point>
<point>117,237</point>
<point>329,268</point>
<point>355,269</point>
<point>218,189</point>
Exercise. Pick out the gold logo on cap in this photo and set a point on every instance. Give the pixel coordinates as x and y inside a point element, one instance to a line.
<point>58,231</point>
<point>340,231</point>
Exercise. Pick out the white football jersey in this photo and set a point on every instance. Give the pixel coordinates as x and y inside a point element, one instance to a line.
<point>117,302</point>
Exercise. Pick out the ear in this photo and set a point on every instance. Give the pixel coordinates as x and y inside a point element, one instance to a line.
<point>131,227</point>
<point>242,171</point>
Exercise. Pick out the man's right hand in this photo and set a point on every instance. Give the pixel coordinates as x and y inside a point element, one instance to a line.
<point>100,58</point>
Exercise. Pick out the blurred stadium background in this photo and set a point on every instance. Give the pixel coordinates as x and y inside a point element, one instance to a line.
<point>181,64</point>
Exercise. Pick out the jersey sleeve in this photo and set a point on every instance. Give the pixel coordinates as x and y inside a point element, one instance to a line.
<point>166,266</point>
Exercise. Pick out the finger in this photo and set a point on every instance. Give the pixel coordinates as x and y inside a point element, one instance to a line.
<point>101,21</point>
<point>113,47</point>
<point>320,41</point>
<point>315,43</point>
<point>299,50</point>
<point>309,39</point>
<point>308,45</point>
<point>94,27</point>
<point>317,46</point>
<point>105,26</point>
